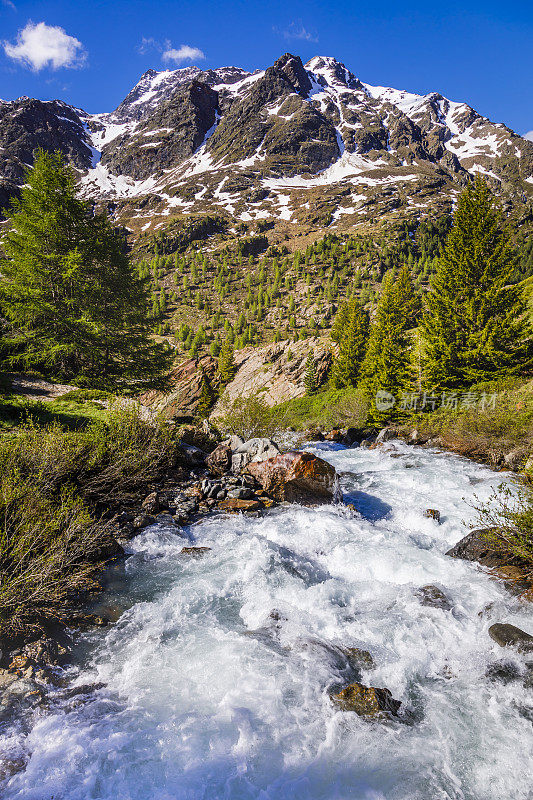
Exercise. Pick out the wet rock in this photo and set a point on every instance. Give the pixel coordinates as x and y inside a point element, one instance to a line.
<point>367,701</point>
<point>503,672</point>
<point>386,434</point>
<point>334,436</point>
<point>314,436</point>
<point>234,504</point>
<point>195,552</point>
<point>150,504</point>
<point>359,659</point>
<point>143,521</point>
<point>507,635</point>
<point>434,597</point>
<point>476,546</point>
<point>11,766</point>
<point>108,548</point>
<point>83,689</point>
<point>165,519</point>
<point>296,478</point>
<point>241,493</point>
<point>369,442</point>
<point>219,461</point>
<point>432,513</point>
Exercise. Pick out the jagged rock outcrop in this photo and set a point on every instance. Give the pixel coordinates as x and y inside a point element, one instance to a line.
<point>181,398</point>
<point>170,135</point>
<point>27,125</point>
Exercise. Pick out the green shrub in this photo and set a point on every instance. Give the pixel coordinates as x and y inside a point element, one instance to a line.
<point>508,520</point>
<point>249,417</point>
<point>54,485</point>
<point>327,409</point>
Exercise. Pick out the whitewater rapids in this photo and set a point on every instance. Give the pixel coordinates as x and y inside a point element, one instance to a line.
<point>196,708</point>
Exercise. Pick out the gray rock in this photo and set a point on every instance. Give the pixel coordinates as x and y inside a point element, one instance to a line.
<point>503,671</point>
<point>507,635</point>
<point>476,546</point>
<point>386,434</point>
<point>432,596</point>
<point>150,504</point>
<point>432,513</point>
<point>234,442</point>
<point>243,493</point>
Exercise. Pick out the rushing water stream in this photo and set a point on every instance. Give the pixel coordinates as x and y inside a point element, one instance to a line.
<point>194,708</point>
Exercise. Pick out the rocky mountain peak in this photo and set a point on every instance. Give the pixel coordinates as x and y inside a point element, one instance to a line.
<point>333,73</point>
<point>293,69</point>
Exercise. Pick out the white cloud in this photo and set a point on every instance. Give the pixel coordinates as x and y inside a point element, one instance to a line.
<point>528,136</point>
<point>296,30</point>
<point>183,53</point>
<point>39,45</point>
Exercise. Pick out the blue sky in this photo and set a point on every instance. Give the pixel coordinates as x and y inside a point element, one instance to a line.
<point>91,53</point>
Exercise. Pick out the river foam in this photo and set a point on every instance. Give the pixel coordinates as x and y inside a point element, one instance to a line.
<point>209,696</point>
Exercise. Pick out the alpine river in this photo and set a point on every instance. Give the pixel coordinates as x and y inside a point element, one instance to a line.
<point>194,706</point>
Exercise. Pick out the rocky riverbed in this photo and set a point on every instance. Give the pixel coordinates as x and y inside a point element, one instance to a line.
<point>336,649</point>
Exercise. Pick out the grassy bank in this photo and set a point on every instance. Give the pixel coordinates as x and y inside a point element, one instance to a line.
<point>493,421</point>
<point>56,487</point>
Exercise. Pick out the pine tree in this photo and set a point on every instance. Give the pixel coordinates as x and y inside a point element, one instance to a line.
<point>77,308</point>
<point>226,362</point>
<point>475,325</point>
<point>310,375</point>
<point>352,340</point>
<point>386,366</point>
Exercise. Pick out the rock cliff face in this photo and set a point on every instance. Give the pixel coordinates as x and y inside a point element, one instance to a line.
<point>275,373</point>
<point>309,146</point>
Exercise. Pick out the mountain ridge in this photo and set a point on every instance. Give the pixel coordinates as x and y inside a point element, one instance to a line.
<point>299,145</point>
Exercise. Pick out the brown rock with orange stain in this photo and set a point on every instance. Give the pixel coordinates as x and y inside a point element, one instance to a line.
<point>296,478</point>
<point>367,701</point>
<point>237,504</point>
<point>219,461</point>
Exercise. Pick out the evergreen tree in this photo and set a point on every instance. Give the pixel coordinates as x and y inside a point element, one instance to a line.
<point>226,362</point>
<point>310,375</point>
<point>76,306</point>
<point>352,346</point>
<point>386,366</point>
<point>475,325</point>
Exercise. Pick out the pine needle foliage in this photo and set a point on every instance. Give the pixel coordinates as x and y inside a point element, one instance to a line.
<point>352,332</point>
<point>387,363</point>
<point>76,307</point>
<point>475,324</point>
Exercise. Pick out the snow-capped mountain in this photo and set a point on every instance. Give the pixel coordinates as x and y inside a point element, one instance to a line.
<point>310,145</point>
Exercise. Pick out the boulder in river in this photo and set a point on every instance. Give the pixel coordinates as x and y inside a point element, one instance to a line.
<point>195,552</point>
<point>237,504</point>
<point>434,597</point>
<point>432,513</point>
<point>476,546</point>
<point>296,478</point>
<point>508,635</point>
<point>367,701</point>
